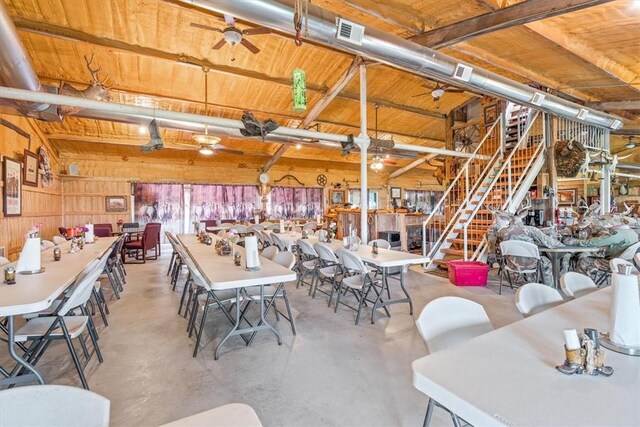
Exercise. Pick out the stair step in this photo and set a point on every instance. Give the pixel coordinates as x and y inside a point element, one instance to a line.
<point>477,221</point>
<point>441,263</point>
<point>476,232</point>
<point>456,252</point>
<point>471,242</point>
<point>480,211</point>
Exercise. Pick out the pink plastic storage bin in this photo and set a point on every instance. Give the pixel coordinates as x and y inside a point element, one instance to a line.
<point>468,273</point>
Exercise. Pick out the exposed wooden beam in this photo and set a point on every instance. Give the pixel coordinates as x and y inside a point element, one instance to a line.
<point>602,60</point>
<point>411,165</point>
<point>617,105</point>
<point>56,31</point>
<point>627,132</point>
<point>510,16</point>
<point>317,109</point>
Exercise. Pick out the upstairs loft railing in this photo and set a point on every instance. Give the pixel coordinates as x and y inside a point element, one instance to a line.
<point>468,178</point>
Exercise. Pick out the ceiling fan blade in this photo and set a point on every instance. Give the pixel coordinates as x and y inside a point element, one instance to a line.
<point>256,31</point>
<point>229,151</point>
<point>205,27</point>
<point>229,20</point>
<point>218,45</point>
<point>253,48</point>
<point>389,162</point>
<point>420,94</point>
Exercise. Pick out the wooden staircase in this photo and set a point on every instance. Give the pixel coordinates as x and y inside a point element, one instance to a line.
<point>503,183</point>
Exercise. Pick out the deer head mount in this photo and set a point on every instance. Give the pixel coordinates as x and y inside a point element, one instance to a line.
<point>96,91</point>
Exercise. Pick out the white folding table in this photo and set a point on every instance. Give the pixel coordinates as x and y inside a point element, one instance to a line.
<point>36,292</point>
<point>222,274</point>
<point>508,376</point>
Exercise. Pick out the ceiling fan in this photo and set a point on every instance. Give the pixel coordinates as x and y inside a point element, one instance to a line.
<point>233,36</point>
<point>438,91</point>
<point>630,144</point>
<point>207,144</point>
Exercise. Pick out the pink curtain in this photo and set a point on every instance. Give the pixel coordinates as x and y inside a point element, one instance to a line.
<point>294,202</point>
<point>159,203</point>
<point>224,201</point>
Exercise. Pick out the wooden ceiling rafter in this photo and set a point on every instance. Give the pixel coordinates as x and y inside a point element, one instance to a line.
<point>500,19</point>
<point>69,34</point>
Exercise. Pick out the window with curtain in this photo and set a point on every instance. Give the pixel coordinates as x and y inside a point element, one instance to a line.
<point>162,203</point>
<point>423,200</point>
<point>218,202</point>
<point>294,202</point>
<point>354,198</point>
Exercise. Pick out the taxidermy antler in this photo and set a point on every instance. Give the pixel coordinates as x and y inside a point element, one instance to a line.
<point>96,91</point>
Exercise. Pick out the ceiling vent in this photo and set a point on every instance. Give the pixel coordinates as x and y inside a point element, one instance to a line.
<point>463,72</point>
<point>350,32</point>
<point>582,114</point>
<point>617,124</point>
<point>537,98</point>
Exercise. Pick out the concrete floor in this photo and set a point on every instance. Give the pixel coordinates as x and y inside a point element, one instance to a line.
<point>332,373</point>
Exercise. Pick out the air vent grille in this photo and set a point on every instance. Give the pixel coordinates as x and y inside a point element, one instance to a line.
<point>617,124</point>
<point>350,32</point>
<point>463,72</point>
<point>537,98</point>
<point>582,114</point>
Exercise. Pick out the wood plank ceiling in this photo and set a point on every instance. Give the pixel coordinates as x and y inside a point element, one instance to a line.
<point>149,49</point>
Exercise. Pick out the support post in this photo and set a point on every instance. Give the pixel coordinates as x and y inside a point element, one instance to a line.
<point>364,144</point>
<point>550,141</point>
<point>605,182</point>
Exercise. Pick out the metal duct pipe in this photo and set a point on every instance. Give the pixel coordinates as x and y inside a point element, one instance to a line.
<point>110,111</point>
<point>400,53</point>
<point>628,166</point>
<point>15,67</point>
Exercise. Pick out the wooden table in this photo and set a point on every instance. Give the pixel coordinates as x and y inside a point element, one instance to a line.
<point>508,376</point>
<point>35,292</point>
<point>555,254</point>
<point>222,274</point>
<point>384,260</point>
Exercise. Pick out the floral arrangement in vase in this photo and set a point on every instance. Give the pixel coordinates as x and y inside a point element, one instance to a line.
<point>34,233</point>
<point>120,223</point>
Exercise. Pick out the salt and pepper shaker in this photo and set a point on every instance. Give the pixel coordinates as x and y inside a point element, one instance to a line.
<point>9,275</point>
<point>237,258</point>
<point>57,254</point>
<point>593,336</point>
<point>374,248</point>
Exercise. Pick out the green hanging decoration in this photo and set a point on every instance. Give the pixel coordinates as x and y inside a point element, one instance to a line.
<point>299,90</point>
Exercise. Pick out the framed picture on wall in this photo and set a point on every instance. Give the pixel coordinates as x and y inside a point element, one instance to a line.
<point>567,197</point>
<point>396,192</point>
<point>30,168</point>
<point>115,204</point>
<point>337,197</point>
<point>490,113</point>
<point>12,194</point>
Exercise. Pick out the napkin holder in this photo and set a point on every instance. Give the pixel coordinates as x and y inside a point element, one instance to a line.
<point>588,359</point>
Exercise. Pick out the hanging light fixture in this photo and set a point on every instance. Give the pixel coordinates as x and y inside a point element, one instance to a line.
<point>207,142</point>
<point>630,144</point>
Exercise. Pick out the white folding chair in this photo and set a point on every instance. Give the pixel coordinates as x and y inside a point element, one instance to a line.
<point>46,244</point>
<point>279,242</point>
<point>636,259</point>
<point>329,269</point>
<point>4,261</point>
<point>357,278</point>
<point>308,263</point>
<point>309,226</point>
<point>448,321</point>
<point>575,284</point>
<point>53,405</point>
<point>269,252</point>
<point>526,252</point>
<point>60,325</point>
<point>382,244</point>
<point>630,252</point>
<point>533,298</point>
<point>240,229</point>
<point>57,240</point>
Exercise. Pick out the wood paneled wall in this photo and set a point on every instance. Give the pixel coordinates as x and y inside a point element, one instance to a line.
<point>39,204</point>
<point>84,200</point>
<point>169,170</point>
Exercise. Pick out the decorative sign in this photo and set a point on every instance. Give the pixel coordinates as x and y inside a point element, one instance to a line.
<point>299,89</point>
<point>30,168</point>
